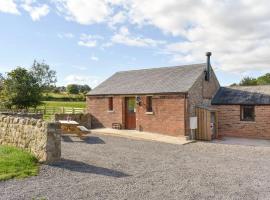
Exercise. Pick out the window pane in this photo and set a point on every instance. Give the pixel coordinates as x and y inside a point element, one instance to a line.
<point>131,105</point>
<point>149,104</point>
<point>110,103</point>
<point>248,113</point>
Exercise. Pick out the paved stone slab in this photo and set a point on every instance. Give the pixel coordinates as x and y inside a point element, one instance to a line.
<point>139,135</point>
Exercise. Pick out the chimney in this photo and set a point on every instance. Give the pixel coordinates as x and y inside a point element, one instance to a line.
<point>208,70</point>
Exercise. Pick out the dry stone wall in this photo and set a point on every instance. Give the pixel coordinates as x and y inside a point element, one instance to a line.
<point>28,115</point>
<point>41,138</point>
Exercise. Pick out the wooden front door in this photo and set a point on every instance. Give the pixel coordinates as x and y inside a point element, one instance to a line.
<point>130,113</point>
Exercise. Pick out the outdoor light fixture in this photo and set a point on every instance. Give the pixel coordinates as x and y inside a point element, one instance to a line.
<point>138,100</point>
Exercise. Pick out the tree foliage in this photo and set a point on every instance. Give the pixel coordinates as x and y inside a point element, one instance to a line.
<point>76,89</point>
<point>44,75</point>
<point>264,80</point>
<point>84,88</point>
<point>261,80</point>
<point>1,81</point>
<point>21,89</point>
<point>248,81</point>
<point>73,89</point>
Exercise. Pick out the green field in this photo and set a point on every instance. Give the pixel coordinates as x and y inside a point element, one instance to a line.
<point>16,163</point>
<point>70,104</point>
<point>63,96</point>
<point>53,107</point>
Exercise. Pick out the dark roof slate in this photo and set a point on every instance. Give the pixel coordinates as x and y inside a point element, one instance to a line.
<point>243,95</point>
<point>151,81</point>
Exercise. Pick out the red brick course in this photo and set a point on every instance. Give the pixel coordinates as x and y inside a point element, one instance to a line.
<point>168,113</point>
<point>101,117</point>
<point>230,124</point>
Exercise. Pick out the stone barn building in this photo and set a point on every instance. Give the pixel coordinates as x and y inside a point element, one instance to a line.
<point>159,100</point>
<point>243,111</point>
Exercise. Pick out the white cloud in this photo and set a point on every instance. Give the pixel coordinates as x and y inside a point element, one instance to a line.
<point>124,37</point>
<point>92,81</point>
<point>65,35</point>
<point>89,40</point>
<point>9,6</point>
<point>84,11</point>
<point>237,32</point>
<point>88,43</point>
<point>118,18</point>
<point>35,12</point>
<point>94,58</point>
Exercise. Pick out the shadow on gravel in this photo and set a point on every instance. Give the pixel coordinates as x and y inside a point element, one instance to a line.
<point>82,167</point>
<point>66,138</point>
<point>93,140</point>
<point>87,139</point>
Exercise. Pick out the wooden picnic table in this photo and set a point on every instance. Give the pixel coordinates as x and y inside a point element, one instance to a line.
<point>71,126</point>
<point>68,125</point>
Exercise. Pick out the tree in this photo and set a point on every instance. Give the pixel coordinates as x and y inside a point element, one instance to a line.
<point>246,81</point>
<point>21,89</point>
<point>84,88</point>
<point>73,89</point>
<point>44,75</point>
<point>264,80</point>
<point>1,81</point>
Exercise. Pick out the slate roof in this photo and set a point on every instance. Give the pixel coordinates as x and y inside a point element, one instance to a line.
<point>239,95</point>
<point>177,79</point>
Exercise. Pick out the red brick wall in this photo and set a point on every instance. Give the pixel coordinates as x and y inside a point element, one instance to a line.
<point>230,124</point>
<point>168,115</point>
<point>101,117</point>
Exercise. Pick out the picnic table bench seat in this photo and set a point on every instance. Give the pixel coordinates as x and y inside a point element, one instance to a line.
<point>81,131</point>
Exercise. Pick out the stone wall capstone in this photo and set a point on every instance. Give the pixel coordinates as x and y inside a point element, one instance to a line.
<point>41,138</point>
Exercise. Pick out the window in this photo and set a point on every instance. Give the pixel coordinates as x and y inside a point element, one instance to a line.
<point>110,103</point>
<point>247,113</point>
<point>149,104</point>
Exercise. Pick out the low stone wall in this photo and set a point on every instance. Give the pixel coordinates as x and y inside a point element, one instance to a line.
<point>82,119</point>
<point>29,115</point>
<point>41,138</point>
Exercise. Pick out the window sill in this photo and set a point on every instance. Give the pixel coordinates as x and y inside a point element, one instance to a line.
<point>110,111</point>
<point>149,113</point>
<point>247,122</point>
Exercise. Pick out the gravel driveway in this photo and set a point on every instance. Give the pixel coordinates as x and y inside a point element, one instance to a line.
<point>106,167</point>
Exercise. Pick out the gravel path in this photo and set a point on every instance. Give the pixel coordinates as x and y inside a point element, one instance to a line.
<point>106,167</point>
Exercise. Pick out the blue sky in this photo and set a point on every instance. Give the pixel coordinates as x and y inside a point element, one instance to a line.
<point>87,41</point>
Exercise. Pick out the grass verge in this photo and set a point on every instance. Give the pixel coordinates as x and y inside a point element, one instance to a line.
<point>16,163</point>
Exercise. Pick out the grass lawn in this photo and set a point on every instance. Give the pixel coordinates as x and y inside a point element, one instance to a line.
<point>75,104</point>
<point>16,163</point>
